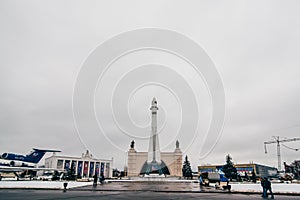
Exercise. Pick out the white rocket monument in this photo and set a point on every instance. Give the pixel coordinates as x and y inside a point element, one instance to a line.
<point>154,159</point>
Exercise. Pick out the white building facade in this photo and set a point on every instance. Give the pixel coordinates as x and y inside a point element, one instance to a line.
<point>85,166</point>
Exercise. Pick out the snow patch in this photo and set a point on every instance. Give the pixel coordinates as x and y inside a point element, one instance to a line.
<point>42,184</point>
<point>276,188</point>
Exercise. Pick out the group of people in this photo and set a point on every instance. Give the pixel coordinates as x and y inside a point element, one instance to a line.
<point>266,185</point>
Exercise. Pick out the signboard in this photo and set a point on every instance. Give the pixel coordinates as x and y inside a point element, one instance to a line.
<point>67,165</point>
<point>79,168</point>
<point>97,168</point>
<point>102,168</point>
<point>91,169</point>
<point>85,168</point>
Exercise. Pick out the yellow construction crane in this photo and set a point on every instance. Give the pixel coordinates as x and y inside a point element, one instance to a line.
<point>278,141</point>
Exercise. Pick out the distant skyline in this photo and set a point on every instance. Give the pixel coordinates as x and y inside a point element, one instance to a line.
<point>253,45</point>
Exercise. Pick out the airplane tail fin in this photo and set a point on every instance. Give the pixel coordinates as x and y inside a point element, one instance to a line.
<point>36,155</point>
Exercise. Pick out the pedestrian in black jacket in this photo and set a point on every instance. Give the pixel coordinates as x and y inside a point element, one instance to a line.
<point>263,184</point>
<point>268,188</point>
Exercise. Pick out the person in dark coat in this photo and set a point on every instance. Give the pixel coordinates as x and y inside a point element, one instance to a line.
<point>95,180</point>
<point>263,184</point>
<point>102,178</point>
<point>268,188</point>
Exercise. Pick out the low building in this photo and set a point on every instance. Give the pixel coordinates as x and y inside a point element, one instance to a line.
<point>259,170</point>
<point>84,166</point>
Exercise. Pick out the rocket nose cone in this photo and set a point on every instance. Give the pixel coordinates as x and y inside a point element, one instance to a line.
<point>154,101</point>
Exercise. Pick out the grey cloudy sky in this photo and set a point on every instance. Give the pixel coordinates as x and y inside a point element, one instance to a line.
<point>253,44</point>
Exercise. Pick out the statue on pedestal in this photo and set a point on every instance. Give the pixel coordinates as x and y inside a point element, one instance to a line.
<point>132,144</point>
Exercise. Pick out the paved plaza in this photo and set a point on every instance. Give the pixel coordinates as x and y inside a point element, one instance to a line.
<point>148,186</point>
<point>133,190</point>
<point>10,194</point>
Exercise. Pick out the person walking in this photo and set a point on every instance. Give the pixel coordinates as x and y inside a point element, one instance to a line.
<point>268,188</point>
<point>200,181</point>
<point>263,184</point>
<point>95,180</point>
<point>101,178</point>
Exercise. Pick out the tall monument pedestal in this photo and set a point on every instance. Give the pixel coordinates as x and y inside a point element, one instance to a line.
<point>154,164</point>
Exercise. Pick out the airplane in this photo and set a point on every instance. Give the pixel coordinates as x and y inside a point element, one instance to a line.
<point>14,163</point>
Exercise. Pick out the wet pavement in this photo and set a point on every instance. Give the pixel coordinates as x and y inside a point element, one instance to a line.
<point>10,194</point>
<point>148,186</point>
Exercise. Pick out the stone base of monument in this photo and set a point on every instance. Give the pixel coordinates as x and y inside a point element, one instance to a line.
<point>154,178</point>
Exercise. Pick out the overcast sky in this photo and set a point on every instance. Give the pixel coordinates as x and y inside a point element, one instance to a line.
<point>254,45</point>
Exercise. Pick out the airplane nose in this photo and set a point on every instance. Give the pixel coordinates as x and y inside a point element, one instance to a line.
<point>4,155</point>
